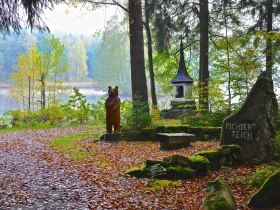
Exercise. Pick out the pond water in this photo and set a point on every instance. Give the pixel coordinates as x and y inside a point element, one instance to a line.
<point>7,103</point>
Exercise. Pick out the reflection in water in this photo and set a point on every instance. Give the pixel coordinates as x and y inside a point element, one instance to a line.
<point>7,103</point>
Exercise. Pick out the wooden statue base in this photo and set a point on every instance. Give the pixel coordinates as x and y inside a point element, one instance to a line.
<point>114,137</point>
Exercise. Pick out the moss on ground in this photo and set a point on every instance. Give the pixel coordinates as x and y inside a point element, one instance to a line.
<point>71,145</point>
<point>160,184</point>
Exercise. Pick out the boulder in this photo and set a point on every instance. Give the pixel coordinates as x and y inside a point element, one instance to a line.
<point>198,163</point>
<point>174,167</point>
<point>268,195</point>
<point>162,170</point>
<point>219,196</point>
<point>253,127</point>
<point>226,155</point>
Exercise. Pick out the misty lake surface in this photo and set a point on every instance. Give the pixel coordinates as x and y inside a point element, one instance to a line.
<point>7,103</point>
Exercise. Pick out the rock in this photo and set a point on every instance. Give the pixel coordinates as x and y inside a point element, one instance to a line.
<point>170,141</point>
<point>219,197</point>
<point>268,195</point>
<point>136,172</point>
<point>164,170</point>
<point>177,160</point>
<point>178,109</point>
<point>253,127</point>
<point>226,155</point>
<point>198,163</point>
<point>173,169</point>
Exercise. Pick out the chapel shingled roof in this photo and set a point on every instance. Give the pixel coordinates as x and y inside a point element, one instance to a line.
<point>182,75</point>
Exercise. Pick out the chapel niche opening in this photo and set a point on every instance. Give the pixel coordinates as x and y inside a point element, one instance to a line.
<point>180,92</point>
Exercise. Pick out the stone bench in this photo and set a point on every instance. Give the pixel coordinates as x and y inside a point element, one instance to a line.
<point>175,140</point>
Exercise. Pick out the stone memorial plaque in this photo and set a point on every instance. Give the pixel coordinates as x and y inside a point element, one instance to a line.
<point>253,127</point>
<point>242,131</point>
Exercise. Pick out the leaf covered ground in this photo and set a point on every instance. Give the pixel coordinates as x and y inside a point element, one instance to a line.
<point>35,174</point>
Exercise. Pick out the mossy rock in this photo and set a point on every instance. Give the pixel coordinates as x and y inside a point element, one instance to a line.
<point>136,172</point>
<point>230,149</point>
<point>180,172</point>
<point>215,202</point>
<point>227,155</point>
<point>150,163</point>
<point>177,160</point>
<point>200,164</point>
<point>220,196</point>
<point>268,195</point>
<point>209,154</point>
<point>162,170</point>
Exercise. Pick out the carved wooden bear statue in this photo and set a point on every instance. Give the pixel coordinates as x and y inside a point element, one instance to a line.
<point>112,105</point>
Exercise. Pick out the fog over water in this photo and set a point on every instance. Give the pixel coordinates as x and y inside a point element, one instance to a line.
<point>7,103</point>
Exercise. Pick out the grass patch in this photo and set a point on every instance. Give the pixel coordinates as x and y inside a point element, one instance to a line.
<point>72,146</point>
<point>262,173</point>
<point>9,130</point>
<point>160,184</point>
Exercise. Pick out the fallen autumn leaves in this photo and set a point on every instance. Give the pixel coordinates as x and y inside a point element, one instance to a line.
<point>37,176</point>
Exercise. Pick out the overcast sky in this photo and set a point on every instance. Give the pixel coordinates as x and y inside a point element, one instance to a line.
<point>78,20</point>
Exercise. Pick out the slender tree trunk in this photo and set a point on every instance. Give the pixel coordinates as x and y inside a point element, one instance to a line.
<point>43,92</point>
<point>29,93</point>
<point>54,91</point>
<point>204,50</point>
<point>150,55</point>
<point>138,76</point>
<point>228,60</point>
<point>23,101</point>
<point>269,20</point>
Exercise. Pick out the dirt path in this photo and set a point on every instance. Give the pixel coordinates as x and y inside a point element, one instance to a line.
<point>33,175</point>
<point>28,181</point>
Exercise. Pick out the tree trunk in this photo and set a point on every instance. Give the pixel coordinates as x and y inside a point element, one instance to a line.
<point>150,55</point>
<point>29,93</point>
<point>43,92</point>
<point>54,91</point>
<point>203,61</point>
<point>138,76</point>
<point>228,59</point>
<point>269,11</point>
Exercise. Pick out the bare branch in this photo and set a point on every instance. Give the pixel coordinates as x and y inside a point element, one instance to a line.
<point>113,3</point>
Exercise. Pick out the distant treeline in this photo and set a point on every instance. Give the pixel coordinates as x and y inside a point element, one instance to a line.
<point>103,60</point>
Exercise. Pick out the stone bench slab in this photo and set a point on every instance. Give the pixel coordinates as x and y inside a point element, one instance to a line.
<point>175,140</point>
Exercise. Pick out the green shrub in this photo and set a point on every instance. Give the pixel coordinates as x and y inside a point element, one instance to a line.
<point>277,146</point>
<point>77,109</point>
<point>136,115</point>
<point>98,111</point>
<point>195,118</point>
<point>5,122</point>
<point>50,116</point>
<point>262,173</point>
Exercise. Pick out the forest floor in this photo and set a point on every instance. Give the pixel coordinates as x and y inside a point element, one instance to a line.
<point>35,175</point>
